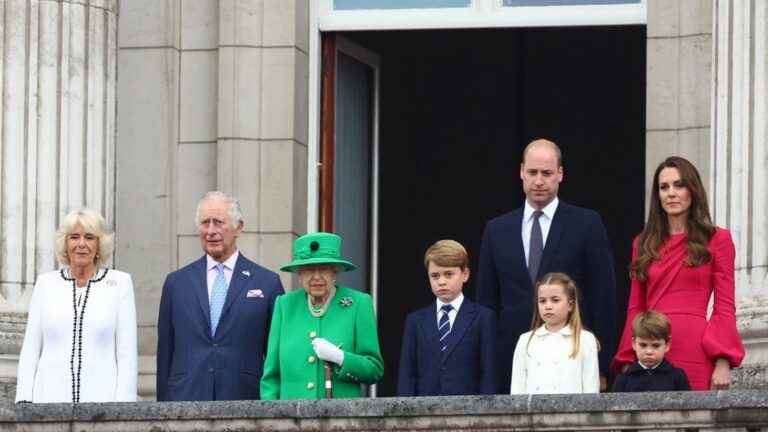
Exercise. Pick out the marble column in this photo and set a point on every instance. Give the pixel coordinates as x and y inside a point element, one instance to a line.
<point>739,155</point>
<point>57,80</point>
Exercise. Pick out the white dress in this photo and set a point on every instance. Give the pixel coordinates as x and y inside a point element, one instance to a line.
<point>106,357</point>
<point>544,366</point>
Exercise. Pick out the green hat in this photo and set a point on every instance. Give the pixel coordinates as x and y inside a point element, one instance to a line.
<point>316,249</point>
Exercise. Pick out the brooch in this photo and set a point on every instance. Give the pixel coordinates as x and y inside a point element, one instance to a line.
<point>346,301</point>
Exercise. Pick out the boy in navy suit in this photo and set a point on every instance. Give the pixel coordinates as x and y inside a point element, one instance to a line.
<point>650,340</point>
<point>449,346</point>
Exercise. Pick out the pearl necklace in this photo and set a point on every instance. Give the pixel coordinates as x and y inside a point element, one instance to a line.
<point>318,311</point>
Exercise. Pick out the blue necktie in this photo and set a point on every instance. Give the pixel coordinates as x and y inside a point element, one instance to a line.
<point>218,295</point>
<point>444,327</point>
<point>536,247</point>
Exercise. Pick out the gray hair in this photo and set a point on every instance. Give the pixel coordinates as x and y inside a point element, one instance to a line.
<point>93,223</point>
<point>235,213</point>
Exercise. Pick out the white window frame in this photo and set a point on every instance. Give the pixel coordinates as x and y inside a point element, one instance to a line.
<point>480,14</point>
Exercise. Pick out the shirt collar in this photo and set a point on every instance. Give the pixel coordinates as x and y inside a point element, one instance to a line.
<point>649,367</point>
<point>542,331</point>
<point>548,210</point>
<point>229,263</point>
<point>456,303</point>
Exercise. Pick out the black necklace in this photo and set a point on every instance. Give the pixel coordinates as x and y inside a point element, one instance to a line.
<point>77,330</point>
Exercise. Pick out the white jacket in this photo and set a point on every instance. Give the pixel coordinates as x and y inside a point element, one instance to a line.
<point>109,352</point>
<point>544,365</point>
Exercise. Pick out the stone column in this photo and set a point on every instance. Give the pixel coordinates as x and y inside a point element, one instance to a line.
<point>679,67</point>
<point>739,154</point>
<point>57,76</point>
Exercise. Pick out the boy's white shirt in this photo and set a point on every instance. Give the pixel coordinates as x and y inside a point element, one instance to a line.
<point>544,365</point>
<point>456,303</point>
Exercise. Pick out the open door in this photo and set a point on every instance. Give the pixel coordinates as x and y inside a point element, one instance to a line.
<point>349,152</point>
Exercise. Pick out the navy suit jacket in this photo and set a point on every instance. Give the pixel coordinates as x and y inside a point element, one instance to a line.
<point>577,244</point>
<point>468,365</point>
<point>192,365</point>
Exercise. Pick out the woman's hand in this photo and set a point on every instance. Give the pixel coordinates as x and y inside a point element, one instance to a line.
<point>327,351</point>
<point>721,376</point>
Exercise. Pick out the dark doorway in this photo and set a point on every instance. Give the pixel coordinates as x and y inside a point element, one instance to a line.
<point>457,108</point>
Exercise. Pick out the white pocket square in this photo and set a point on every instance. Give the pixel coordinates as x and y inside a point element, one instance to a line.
<point>255,293</point>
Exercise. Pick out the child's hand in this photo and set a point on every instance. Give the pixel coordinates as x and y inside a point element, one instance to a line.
<point>721,376</point>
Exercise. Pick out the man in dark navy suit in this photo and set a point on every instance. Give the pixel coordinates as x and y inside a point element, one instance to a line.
<point>448,346</point>
<point>215,314</point>
<point>545,235</point>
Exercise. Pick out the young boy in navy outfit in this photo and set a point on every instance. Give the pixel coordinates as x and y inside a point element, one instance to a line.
<point>448,346</point>
<point>651,336</point>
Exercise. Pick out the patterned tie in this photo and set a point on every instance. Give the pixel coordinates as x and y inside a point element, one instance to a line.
<point>218,295</point>
<point>444,327</point>
<point>536,247</point>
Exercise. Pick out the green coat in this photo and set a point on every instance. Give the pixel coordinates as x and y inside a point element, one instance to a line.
<point>293,371</point>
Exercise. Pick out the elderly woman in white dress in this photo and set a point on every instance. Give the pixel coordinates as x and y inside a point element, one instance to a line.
<point>80,342</point>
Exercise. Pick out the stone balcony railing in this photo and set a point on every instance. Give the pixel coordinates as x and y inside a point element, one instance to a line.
<point>737,410</point>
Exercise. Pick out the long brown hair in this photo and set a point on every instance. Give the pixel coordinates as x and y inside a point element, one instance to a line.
<point>574,317</point>
<point>699,225</point>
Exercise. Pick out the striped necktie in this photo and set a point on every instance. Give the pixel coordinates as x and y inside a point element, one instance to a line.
<point>218,295</point>
<point>444,327</point>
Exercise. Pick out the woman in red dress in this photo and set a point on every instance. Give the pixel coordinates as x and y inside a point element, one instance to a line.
<point>678,261</point>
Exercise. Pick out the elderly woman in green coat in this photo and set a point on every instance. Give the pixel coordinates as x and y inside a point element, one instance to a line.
<point>323,322</point>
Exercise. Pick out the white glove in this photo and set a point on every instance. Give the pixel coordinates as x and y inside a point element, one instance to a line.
<point>328,351</point>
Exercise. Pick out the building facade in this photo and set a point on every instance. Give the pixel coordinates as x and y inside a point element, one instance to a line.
<point>138,107</point>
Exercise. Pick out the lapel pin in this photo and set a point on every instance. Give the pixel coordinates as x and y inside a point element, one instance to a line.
<point>247,273</point>
<point>346,301</point>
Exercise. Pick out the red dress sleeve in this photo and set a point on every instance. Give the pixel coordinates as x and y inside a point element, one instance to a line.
<point>721,337</point>
<point>637,304</point>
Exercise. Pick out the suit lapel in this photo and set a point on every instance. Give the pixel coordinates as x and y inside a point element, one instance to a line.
<point>556,230</point>
<point>240,276</point>
<point>517,240</point>
<point>464,318</point>
<point>199,279</point>
<point>428,322</point>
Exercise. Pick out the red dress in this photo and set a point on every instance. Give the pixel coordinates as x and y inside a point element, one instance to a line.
<point>682,293</point>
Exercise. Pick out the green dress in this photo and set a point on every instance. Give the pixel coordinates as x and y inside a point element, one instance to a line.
<point>292,369</point>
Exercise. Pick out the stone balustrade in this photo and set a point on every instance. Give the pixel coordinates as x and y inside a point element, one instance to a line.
<point>736,410</point>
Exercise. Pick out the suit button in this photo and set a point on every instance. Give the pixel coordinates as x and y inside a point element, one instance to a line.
<point>210,370</point>
<point>215,345</point>
<point>310,385</point>
<point>312,334</point>
<point>311,359</point>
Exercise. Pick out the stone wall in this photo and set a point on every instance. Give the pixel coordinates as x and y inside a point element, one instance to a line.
<point>729,410</point>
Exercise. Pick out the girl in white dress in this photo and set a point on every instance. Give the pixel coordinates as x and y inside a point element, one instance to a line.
<point>558,355</point>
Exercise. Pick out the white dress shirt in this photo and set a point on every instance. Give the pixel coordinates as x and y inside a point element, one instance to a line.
<point>456,303</point>
<point>109,352</point>
<point>545,221</point>
<point>544,365</point>
<point>229,268</point>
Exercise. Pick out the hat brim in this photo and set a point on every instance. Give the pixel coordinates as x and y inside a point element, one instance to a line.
<point>343,265</point>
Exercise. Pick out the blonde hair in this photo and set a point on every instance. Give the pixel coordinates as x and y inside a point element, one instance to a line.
<point>651,325</point>
<point>447,253</point>
<point>574,317</point>
<point>93,223</point>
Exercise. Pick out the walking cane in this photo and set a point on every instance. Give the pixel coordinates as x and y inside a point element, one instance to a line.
<point>328,379</point>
